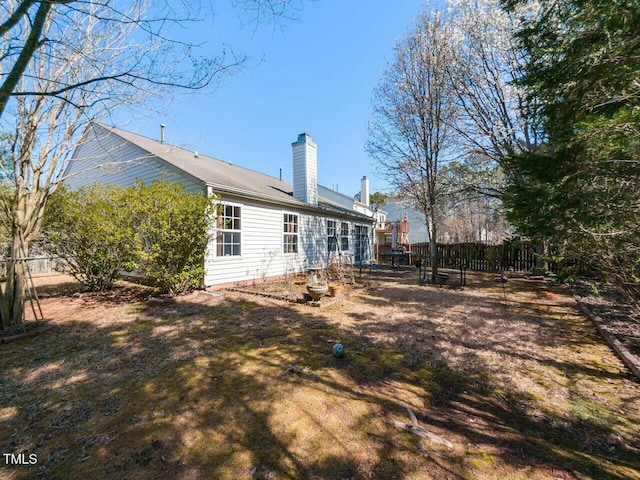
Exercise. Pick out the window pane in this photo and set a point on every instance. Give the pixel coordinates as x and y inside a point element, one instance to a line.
<point>228,241</point>
<point>290,244</point>
<point>361,242</point>
<point>290,228</point>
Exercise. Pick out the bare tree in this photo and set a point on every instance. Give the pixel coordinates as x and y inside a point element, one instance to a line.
<point>496,118</point>
<point>146,57</point>
<point>63,64</point>
<point>473,219</point>
<point>413,110</point>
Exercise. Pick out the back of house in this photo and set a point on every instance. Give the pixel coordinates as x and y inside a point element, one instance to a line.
<point>266,228</point>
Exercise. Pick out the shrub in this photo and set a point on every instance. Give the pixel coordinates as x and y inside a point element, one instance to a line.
<point>172,232</point>
<point>90,229</point>
<point>159,229</point>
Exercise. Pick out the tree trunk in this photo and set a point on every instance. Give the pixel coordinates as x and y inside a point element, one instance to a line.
<point>12,302</point>
<point>542,263</point>
<point>433,250</point>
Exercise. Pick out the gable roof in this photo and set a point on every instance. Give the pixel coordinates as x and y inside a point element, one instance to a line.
<point>224,177</point>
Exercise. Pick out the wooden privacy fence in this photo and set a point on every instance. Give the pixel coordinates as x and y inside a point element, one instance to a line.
<point>481,257</point>
<point>40,265</point>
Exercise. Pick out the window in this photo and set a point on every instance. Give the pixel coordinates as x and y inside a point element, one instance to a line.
<point>332,239</point>
<point>344,236</point>
<point>290,240</point>
<point>362,243</point>
<point>228,238</point>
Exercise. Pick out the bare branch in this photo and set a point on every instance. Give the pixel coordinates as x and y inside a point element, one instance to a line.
<point>410,135</point>
<point>16,16</point>
<point>63,65</point>
<point>30,46</point>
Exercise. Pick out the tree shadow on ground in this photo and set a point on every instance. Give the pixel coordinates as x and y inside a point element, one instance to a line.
<point>230,387</point>
<point>427,325</point>
<point>190,389</point>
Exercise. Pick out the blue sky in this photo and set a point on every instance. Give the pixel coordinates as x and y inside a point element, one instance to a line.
<point>314,74</point>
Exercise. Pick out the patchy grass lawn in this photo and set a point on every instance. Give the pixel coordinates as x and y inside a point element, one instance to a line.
<point>241,387</point>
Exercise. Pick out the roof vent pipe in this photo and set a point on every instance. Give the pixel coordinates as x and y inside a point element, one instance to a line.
<point>162,132</point>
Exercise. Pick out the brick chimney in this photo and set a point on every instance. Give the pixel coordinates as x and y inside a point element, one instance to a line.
<point>305,169</point>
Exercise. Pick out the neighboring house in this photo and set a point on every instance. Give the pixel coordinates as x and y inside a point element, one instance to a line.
<point>267,228</point>
<point>397,211</point>
<point>391,235</point>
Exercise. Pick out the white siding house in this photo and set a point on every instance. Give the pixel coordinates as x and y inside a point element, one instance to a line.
<point>268,227</point>
<point>102,155</point>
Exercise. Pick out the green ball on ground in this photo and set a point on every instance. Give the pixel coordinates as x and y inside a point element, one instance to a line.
<point>338,350</point>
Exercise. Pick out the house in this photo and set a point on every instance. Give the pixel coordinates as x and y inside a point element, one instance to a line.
<point>267,227</point>
<point>391,236</point>
<point>383,228</point>
<point>397,209</point>
<point>355,203</point>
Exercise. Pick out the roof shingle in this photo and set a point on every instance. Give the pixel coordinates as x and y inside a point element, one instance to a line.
<point>226,177</point>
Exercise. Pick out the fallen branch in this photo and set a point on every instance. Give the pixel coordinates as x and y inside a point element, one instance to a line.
<point>416,429</point>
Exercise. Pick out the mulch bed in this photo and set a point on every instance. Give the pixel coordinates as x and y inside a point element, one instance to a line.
<point>293,292</point>
<point>618,318</point>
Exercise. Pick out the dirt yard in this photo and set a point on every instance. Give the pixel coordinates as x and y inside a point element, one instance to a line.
<point>436,383</point>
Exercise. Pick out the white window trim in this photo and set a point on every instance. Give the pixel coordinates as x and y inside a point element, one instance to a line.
<point>347,236</point>
<point>366,254</point>
<point>297,234</point>
<point>336,224</point>
<point>216,230</point>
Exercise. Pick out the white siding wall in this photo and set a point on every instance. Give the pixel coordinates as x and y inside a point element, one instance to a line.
<point>105,157</point>
<point>262,245</point>
<point>336,197</point>
<point>261,248</point>
<point>262,231</point>
<point>361,208</point>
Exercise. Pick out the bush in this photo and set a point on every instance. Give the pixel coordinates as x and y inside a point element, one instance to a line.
<point>159,229</point>
<point>91,230</point>
<point>172,233</point>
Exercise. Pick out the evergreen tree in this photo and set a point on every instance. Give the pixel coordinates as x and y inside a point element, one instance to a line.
<point>581,188</point>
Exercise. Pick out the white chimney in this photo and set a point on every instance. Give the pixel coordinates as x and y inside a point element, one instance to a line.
<point>364,190</point>
<point>305,169</point>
